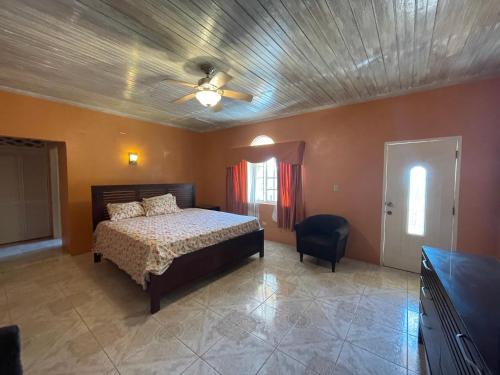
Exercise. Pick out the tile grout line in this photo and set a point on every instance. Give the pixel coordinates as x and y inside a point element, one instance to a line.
<point>364,349</point>
<point>295,359</point>
<point>199,356</point>
<point>251,334</point>
<point>265,301</point>
<point>348,330</point>
<point>186,345</point>
<point>90,331</point>
<point>201,359</point>
<point>377,355</point>
<point>267,359</point>
<point>209,365</point>
<point>385,359</point>
<point>276,347</point>
<point>284,336</point>
<point>192,363</point>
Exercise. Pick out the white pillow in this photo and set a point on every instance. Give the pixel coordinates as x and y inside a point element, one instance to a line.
<point>160,205</point>
<point>120,211</point>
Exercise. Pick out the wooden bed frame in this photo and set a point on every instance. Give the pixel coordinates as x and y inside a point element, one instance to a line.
<point>187,268</point>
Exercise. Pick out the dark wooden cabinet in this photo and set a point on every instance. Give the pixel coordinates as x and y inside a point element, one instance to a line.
<point>459,325</point>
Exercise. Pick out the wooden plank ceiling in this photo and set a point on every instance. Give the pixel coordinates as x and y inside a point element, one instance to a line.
<point>293,56</point>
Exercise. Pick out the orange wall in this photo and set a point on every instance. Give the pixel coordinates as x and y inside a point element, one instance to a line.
<point>97,152</point>
<point>345,146</point>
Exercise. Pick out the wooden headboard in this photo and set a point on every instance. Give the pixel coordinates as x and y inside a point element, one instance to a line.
<point>104,194</point>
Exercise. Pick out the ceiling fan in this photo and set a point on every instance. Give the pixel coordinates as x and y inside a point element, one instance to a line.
<point>209,90</point>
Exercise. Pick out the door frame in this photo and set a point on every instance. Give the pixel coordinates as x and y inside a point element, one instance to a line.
<point>457,138</point>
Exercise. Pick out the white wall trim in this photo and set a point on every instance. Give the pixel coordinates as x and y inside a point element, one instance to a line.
<point>91,107</point>
<point>394,94</point>
<point>214,126</point>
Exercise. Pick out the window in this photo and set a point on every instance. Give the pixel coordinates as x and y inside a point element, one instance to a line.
<point>416,201</point>
<point>263,177</point>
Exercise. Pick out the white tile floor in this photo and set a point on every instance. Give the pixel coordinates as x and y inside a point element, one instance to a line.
<point>268,316</point>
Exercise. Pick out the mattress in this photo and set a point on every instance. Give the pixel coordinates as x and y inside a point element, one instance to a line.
<point>144,245</point>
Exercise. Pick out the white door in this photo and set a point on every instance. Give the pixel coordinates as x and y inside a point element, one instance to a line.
<point>419,206</point>
<point>24,194</point>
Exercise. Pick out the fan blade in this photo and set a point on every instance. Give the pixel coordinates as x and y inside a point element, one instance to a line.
<point>181,83</point>
<point>185,98</point>
<point>217,107</point>
<point>220,79</point>
<point>237,95</point>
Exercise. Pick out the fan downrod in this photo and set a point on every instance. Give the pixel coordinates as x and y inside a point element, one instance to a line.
<point>207,68</point>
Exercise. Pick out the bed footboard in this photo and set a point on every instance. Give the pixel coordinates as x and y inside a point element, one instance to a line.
<point>199,264</point>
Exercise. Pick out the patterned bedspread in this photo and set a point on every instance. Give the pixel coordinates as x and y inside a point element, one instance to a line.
<point>141,245</point>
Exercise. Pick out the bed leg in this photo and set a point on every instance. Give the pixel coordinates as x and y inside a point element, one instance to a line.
<point>154,293</point>
<point>97,257</point>
<point>261,243</point>
<point>155,304</point>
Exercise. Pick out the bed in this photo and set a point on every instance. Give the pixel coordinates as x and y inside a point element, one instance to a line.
<point>165,252</point>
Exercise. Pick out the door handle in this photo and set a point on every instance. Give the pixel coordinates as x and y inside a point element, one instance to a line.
<point>460,338</point>
<point>424,263</point>
<point>424,293</point>
<point>423,316</point>
<point>389,204</point>
<point>423,319</point>
<point>388,212</point>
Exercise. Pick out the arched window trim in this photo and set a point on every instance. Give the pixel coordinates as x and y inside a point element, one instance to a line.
<point>417,200</point>
<point>261,140</point>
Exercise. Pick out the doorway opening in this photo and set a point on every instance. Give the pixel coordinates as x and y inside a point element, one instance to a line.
<point>420,199</point>
<point>31,193</point>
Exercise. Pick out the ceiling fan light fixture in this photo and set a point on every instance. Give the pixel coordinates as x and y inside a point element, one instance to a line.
<point>208,98</point>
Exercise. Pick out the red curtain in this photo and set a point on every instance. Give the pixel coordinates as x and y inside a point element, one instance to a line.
<point>290,199</point>
<point>236,188</point>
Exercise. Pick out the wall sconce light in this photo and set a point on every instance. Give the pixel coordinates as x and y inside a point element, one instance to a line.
<point>132,158</point>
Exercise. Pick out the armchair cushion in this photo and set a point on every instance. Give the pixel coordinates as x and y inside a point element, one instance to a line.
<point>317,240</point>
